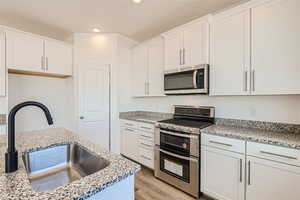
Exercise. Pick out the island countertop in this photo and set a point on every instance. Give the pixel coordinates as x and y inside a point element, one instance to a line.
<point>17,186</point>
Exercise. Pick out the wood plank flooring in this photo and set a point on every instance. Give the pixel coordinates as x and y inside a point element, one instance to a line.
<point>147,187</point>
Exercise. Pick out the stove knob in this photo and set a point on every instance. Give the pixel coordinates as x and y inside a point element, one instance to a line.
<point>184,145</point>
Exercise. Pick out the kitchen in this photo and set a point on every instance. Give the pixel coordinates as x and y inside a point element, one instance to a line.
<point>202,104</point>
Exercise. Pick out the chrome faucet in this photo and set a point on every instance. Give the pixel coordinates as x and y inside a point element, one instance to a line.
<point>11,156</point>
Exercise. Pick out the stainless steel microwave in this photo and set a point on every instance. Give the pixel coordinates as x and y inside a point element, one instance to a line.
<point>189,81</point>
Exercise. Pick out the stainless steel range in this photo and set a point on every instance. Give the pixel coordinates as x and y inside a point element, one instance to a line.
<point>177,147</point>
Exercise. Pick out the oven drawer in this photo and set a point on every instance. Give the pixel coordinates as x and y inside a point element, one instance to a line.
<point>275,153</point>
<point>146,157</point>
<point>224,143</point>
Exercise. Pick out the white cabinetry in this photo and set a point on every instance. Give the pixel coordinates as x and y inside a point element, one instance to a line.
<point>230,53</point>
<point>272,173</point>
<point>58,57</point>
<point>25,52</point>
<point>137,140</point>
<point>254,49</point>
<point>232,170</point>
<point>28,53</point>
<point>147,70</point>
<point>187,45</point>
<point>276,47</point>
<point>2,64</point>
<point>222,169</point>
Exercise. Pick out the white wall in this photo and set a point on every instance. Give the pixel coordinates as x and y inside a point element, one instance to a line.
<point>53,92</point>
<point>284,109</point>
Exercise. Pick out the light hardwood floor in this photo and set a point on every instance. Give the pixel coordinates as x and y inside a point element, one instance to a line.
<point>147,187</point>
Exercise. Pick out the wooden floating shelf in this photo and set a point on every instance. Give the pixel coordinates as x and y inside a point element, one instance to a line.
<point>30,73</point>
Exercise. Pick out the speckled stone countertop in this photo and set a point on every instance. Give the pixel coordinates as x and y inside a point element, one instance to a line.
<point>16,185</point>
<point>284,139</point>
<point>144,116</point>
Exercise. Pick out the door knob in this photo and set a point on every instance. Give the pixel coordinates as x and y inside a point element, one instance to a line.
<point>81,117</point>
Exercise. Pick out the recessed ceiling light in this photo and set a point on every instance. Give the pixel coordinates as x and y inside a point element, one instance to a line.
<point>137,1</point>
<point>96,30</point>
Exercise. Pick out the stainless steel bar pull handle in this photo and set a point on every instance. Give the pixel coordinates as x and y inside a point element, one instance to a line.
<point>47,63</point>
<point>278,155</point>
<point>42,62</point>
<point>241,170</point>
<point>183,56</point>
<point>246,81</point>
<point>253,80</point>
<point>220,143</point>
<point>249,172</point>
<point>180,60</point>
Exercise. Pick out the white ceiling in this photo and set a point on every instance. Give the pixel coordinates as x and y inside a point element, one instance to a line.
<point>137,21</point>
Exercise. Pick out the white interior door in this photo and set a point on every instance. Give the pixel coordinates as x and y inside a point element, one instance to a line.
<point>94,104</point>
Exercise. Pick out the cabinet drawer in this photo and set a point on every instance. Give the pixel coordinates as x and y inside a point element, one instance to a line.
<point>147,135</point>
<point>128,123</point>
<point>146,127</point>
<point>146,157</point>
<point>275,153</point>
<point>148,144</point>
<point>228,144</point>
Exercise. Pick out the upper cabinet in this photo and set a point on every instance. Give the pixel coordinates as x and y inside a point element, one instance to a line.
<point>230,53</point>
<point>2,64</point>
<point>58,58</point>
<point>27,53</point>
<point>255,49</point>
<point>147,68</point>
<point>187,45</point>
<point>276,47</point>
<point>24,52</point>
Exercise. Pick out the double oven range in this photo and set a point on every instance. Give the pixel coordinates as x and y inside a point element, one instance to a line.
<point>177,147</point>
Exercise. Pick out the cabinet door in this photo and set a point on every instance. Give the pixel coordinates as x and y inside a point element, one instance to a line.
<point>230,53</point>
<point>173,50</point>
<point>2,65</point>
<point>156,67</point>
<point>196,43</point>
<point>129,141</point>
<point>58,58</point>
<point>24,52</point>
<point>276,47</point>
<point>140,71</point>
<point>268,180</point>
<point>222,174</point>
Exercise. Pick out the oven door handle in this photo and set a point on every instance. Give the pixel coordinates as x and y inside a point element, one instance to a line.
<point>177,156</point>
<point>179,135</point>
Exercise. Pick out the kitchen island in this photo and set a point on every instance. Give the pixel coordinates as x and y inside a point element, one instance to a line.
<point>116,181</point>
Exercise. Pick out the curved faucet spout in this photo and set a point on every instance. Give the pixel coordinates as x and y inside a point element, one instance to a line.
<point>11,157</point>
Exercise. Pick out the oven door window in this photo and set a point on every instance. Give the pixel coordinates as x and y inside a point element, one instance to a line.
<point>179,81</point>
<point>175,144</point>
<point>176,167</point>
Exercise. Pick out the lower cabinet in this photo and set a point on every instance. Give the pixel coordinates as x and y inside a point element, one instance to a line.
<point>264,172</point>
<point>268,180</point>
<point>222,173</point>
<point>129,140</point>
<point>137,142</point>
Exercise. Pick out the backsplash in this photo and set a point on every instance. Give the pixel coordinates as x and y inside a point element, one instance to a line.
<point>2,119</point>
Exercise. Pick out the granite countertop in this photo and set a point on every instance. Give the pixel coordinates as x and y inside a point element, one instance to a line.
<point>17,186</point>
<point>146,117</point>
<point>284,139</point>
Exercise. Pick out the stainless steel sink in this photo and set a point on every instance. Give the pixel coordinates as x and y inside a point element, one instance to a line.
<point>56,166</point>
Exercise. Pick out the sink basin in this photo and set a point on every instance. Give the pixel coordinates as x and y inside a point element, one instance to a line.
<point>56,166</point>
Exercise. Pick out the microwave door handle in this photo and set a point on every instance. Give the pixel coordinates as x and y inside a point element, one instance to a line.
<point>195,79</point>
